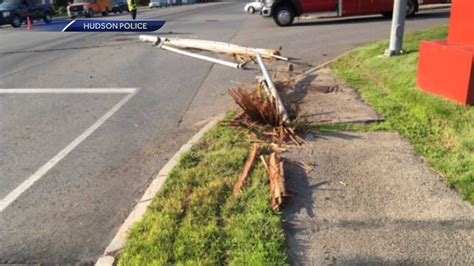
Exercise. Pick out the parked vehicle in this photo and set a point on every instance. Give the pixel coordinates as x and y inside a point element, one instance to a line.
<point>284,11</point>
<point>119,6</point>
<point>157,3</point>
<point>253,7</point>
<point>15,12</point>
<point>88,8</point>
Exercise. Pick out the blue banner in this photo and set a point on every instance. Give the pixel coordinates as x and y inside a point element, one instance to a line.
<point>99,25</point>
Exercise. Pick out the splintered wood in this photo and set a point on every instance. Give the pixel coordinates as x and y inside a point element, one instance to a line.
<point>276,175</point>
<point>243,59</point>
<point>258,107</point>
<point>263,114</point>
<point>276,138</point>
<point>247,168</point>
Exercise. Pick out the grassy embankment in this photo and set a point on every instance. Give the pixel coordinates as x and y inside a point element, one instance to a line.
<point>195,219</point>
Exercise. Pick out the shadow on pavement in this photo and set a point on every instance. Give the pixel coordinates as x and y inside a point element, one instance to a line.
<point>301,201</point>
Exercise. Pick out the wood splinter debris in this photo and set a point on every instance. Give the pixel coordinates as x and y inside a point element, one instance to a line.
<point>249,164</point>
<point>264,163</point>
<point>277,181</point>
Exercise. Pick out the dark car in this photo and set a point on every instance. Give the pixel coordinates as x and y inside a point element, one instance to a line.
<point>119,6</point>
<point>15,12</point>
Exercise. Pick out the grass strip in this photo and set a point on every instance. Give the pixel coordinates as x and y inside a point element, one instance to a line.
<point>195,219</point>
<point>441,131</point>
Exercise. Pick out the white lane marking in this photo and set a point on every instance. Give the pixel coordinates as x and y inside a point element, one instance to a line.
<point>12,196</point>
<point>72,90</point>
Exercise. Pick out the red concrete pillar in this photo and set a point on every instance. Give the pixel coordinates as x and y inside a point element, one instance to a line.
<point>446,68</point>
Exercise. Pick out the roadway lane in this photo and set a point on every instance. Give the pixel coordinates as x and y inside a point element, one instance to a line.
<point>73,211</point>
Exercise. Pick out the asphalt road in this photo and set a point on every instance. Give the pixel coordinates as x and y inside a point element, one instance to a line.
<point>73,210</point>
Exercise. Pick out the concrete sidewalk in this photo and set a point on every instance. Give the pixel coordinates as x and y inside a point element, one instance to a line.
<point>369,199</point>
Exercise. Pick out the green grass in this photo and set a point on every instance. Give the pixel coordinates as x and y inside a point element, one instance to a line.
<point>442,132</point>
<point>195,219</point>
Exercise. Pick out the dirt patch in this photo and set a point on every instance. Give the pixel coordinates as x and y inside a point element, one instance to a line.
<point>325,99</point>
<point>370,200</point>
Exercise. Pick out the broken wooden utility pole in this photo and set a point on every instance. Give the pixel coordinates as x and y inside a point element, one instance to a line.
<point>272,91</point>
<point>222,47</point>
<point>213,46</point>
<point>202,57</point>
<point>156,41</point>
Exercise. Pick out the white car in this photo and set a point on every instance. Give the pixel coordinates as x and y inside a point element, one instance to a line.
<point>253,7</point>
<point>157,3</point>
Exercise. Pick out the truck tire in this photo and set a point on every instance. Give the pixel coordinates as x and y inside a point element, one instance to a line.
<point>387,15</point>
<point>411,8</point>
<point>48,17</point>
<point>251,10</point>
<point>284,16</point>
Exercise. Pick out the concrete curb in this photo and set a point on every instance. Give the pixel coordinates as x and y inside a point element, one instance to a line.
<point>325,64</point>
<point>140,209</point>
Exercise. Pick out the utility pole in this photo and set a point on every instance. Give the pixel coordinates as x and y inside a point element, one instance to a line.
<point>398,28</point>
